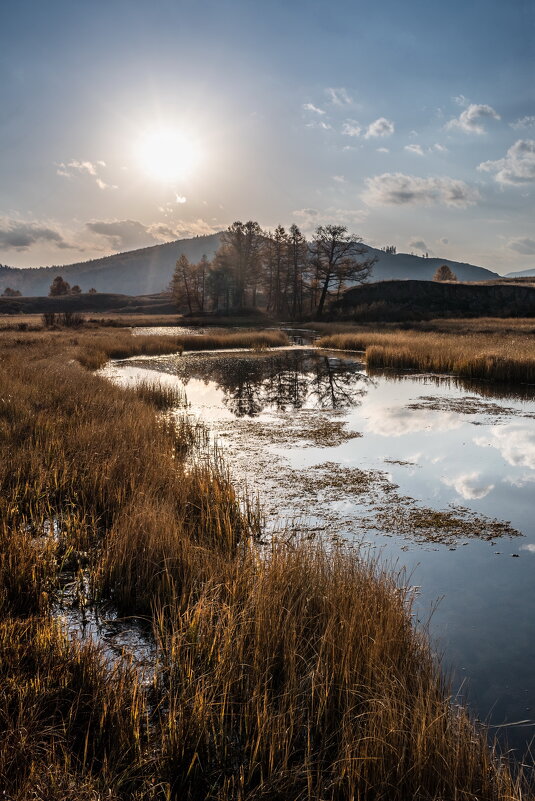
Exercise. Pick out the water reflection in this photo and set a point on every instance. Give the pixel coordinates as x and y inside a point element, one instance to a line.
<point>280,382</point>
<point>516,443</point>
<point>469,486</point>
<point>396,421</point>
<point>485,389</point>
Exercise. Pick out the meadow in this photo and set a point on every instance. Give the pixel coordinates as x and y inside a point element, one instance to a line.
<point>281,672</point>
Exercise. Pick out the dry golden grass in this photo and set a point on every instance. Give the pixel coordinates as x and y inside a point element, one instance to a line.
<point>300,676</point>
<point>286,674</point>
<point>105,345</point>
<point>503,356</point>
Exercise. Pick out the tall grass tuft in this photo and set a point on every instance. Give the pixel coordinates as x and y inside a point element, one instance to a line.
<point>161,396</point>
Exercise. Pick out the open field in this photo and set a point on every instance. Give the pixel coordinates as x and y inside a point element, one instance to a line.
<point>254,694</point>
<point>482,349</point>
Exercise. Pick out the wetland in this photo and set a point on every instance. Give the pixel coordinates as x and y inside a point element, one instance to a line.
<point>433,473</point>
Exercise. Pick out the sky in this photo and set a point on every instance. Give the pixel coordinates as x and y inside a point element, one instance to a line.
<point>125,123</point>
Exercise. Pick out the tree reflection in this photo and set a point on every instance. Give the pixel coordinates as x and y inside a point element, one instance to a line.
<point>254,383</point>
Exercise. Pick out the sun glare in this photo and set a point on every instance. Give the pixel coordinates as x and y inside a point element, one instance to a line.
<point>168,155</point>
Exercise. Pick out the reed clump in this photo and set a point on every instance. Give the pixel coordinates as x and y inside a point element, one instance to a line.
<point>291,673</point>
<point>161,396</point>
<point>506,358</point>
<point>300,676</point>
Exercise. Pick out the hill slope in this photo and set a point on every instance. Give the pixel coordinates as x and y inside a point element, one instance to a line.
<point>405,266</point>
<point>420,300</point>
<point>136,272</point>
<point>149,270</point>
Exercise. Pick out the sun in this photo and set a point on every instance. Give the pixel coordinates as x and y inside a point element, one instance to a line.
<point>168,155</point>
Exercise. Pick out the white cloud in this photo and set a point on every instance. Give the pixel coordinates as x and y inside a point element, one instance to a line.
<point>339,96</point>
<point>381,127</point>
<point>21,235</point>
<point>103,185</point>
<point>469,485</point>
<point>131,234</point>
<point>440,148</point>
<point>469,121</point>
<point>325,126</point>
<point>515,442</point>
<point>351,128</point>
<point>461,100</point>
<point>383,150</point>
<point>416,149</point>
<point>397,189</point>
<point>523,245</point>
<point>313,108</point>
<point>518,165</point>
<point>75,167</point>
<point>523,122</point>
<point>339,179</point>
<point>309,219</point>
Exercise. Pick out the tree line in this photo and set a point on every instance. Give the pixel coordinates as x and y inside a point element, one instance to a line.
<point>279,271</point>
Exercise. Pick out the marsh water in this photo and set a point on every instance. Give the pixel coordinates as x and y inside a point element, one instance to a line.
<point>435,476</point>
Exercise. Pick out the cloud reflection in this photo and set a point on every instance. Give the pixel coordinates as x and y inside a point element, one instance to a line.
<point>391,421</point>
<point>516,444</point>
<point>469,485</point>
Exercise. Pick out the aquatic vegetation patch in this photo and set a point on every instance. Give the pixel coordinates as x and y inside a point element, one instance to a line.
<point>468,404</point>
<point>311,429</point>
<point>403,515</point>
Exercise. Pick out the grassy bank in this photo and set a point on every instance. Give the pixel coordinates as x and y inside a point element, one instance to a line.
<point>505,355</point>
<point>285,674</point>
<point>96,350</point>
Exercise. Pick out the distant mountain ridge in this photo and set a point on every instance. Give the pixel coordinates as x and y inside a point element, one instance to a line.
<point>149,270</point>
<point>522,273</point>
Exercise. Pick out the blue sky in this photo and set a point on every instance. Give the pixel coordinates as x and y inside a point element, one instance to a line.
<point>124,124</point>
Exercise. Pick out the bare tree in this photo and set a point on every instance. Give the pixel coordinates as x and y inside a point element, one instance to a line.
<point>181,283</point>
<point>240,252</point>
<point>298,253</point>
<point>338,257</point>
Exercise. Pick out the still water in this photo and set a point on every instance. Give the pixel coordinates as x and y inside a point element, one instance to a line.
<point>435,475</point>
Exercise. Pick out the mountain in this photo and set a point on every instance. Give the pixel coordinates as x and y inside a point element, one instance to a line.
<point>135,272</point>
<point>405,266</point>
<point>522,273</point>
<point>149,270</point>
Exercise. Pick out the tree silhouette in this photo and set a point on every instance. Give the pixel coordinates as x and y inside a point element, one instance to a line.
<point>59,287</point>
<point>335,259</point>
<point>444,273</point>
